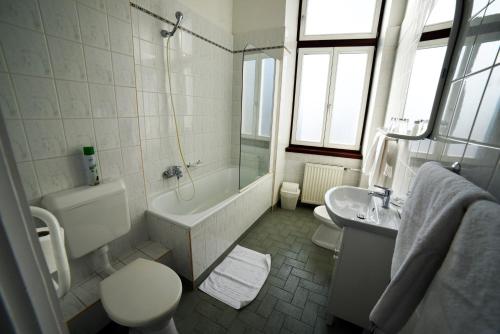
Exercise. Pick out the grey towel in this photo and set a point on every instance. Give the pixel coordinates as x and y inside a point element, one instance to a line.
<point>464,296</point>
<point>430,218</point>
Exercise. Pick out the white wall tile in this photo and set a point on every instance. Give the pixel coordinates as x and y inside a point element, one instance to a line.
<point>126,101</point>
<point>129,132</point>
<point>60,173</point>
<point>120,35</point>
<point>123,70</point>
<point>7,100</point>
<point>79,133</point>
<point>98,64</point>
<point>111,163</point>
<point>103,102</point>
<point>23,13</point>
<point>119,9</point>
<point>29,180</point>
<point>67,59</point>
<point>96,4</point>
<point>73,99</point>
<point>134,184</point>
<point>29,57</point>
<point>60,18</point>
<point>94,26</point>
<point>150,105</point>
<point>132,160</point>
<point>18,141</point>
<point>107,134</point>
<point>152,124</point>
<point>46,138</point>
<point>36,96</point>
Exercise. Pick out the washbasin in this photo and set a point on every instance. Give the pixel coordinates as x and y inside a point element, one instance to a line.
<point>354,207</point>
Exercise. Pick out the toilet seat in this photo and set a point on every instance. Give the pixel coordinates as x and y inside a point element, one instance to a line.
<point>327,235</point>
<point>141,293</point>
<point>321,214</point>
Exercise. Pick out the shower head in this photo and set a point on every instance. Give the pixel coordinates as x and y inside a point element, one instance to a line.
<point>166,33</point>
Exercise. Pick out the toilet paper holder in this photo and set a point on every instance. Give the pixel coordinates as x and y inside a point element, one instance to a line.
<point>52,241</point>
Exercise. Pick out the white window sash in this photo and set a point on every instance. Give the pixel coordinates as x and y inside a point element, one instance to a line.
<point>372,34</point>
<point>330,112</point>
<point>301,54</point>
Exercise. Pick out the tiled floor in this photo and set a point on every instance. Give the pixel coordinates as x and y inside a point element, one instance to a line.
<point>293,299</point>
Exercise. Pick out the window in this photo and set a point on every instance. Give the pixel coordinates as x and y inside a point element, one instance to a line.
<point>441,16</point>
<point>424,79</point>
<point>336,45</point>
<point>428,62</point>
<point>339,19</point>
<point>257,96</point>
<point>331,96</point>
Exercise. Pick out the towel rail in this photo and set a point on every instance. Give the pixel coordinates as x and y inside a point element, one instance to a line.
<point>455,167</point>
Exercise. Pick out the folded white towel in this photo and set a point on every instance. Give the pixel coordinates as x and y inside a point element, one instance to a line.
<point>239,278</point>
<point>429,221</point>
<point>464,296</point>
<point>373,162</point>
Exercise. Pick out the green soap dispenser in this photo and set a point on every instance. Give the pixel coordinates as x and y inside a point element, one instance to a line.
<point>90,162</point>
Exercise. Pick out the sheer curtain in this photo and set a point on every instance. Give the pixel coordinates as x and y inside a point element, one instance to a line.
<point>417,12</point>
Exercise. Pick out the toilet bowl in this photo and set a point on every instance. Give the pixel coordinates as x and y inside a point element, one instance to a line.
<point>327,234</point>
<point>143,296</point>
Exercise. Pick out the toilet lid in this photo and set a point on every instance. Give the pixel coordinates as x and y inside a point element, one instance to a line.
<point>321,214</point>
<point>140,293</point>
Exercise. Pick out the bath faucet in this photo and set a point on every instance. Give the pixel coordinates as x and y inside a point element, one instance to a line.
<point>194,164</point>
<point>172,171</point>
<point>385,196</point>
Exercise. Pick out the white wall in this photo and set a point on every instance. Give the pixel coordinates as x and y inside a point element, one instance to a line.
<point>218,12</point>
<point>258,14</point>
<point>284,116</point>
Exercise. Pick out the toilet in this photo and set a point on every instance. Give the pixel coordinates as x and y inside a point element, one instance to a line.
<point>327,234</point>
<point>144,294</point>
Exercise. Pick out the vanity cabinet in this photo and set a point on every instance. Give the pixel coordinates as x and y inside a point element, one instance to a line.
<point>360,275</point>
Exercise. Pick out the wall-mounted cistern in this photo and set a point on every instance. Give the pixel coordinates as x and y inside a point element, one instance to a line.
<point>172,171</point>
<point>166,33</point>
<point>385,196</point>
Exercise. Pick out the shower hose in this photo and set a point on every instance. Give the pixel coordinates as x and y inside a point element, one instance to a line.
<point>181,153</point>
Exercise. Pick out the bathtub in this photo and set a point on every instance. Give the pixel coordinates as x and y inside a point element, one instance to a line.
<point>199,231</point>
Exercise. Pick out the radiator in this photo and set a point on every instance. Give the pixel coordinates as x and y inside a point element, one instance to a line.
<point>317,180</point>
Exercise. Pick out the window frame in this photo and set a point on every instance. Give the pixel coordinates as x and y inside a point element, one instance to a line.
<point>303,19</point>
<point>353,40</point>
<point>328,111</point>
<point>424,44</point>
<point>298,77</point>
<point>256,112</point>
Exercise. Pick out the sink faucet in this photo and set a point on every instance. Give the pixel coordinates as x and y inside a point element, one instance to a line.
<point>385,196</point>
<point>172,171</point>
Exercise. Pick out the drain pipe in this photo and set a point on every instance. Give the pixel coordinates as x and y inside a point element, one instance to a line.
<point>101,260</point>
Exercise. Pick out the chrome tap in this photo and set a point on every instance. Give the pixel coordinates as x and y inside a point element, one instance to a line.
<point>385,196</point>
<point>172,171</point>
<point>194,164</point>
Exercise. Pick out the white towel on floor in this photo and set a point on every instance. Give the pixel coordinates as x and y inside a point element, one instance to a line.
<point>239,278</point>
<point>430,218</point>
<point>464,296</point>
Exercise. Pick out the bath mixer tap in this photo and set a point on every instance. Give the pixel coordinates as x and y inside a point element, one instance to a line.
<point>172,171</point>
<point>194,164</point>
<point>385,196</point>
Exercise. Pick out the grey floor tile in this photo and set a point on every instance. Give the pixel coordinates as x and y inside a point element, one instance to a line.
<point>293,298</point>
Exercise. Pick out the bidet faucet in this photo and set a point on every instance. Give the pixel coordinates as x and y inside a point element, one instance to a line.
<point>172,171</point>
<point>385,196</point>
